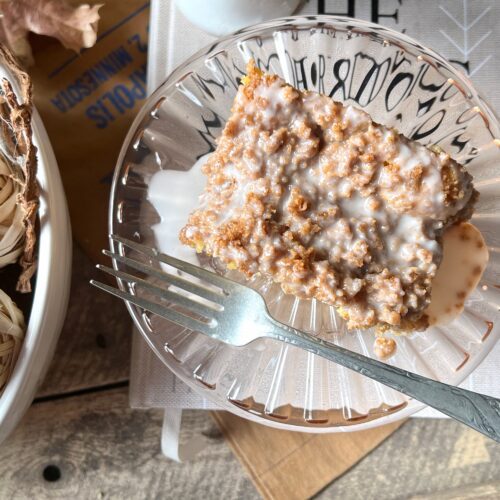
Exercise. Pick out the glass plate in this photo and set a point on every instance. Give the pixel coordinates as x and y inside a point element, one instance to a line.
<point>401,84</point>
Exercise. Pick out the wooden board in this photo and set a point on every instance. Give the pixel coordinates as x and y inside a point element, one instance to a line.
<point>425,458</point>
<point>487,491</point>
<point>104,450</point>
<point>94,446</point>
<point>94,347</point>
<point>291,465</point>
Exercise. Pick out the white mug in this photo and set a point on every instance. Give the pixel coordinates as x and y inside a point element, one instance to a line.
<point>220,17</point>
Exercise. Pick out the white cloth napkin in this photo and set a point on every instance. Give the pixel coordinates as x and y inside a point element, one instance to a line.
<point>153,385</point>
<point>465,32</point>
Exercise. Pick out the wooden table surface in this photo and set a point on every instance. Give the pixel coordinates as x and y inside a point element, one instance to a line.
<point>80,439</point>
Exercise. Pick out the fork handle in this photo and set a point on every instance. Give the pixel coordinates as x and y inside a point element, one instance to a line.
<point>475,410</point>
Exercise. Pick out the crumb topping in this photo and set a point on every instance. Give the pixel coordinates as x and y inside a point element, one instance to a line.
<point>384,347</point>
<point>328,203</point>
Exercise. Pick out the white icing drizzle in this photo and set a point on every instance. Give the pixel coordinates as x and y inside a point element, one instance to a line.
<point>174,194</point>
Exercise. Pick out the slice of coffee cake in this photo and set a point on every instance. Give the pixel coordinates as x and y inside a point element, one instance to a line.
<point>328,203</point>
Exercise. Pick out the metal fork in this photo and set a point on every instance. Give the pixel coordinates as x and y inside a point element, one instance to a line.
<point>236,314</point>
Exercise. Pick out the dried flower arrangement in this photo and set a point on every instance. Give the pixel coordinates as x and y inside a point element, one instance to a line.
<point>74,27</point>
<point>18,204</point>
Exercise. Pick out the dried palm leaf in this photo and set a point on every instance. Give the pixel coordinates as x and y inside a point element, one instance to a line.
<point>18,154</point>
<point>11,217</point>
<point>18,204</point>
<point>11,337</point>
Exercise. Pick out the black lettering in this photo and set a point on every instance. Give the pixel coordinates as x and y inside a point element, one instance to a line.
<point>431,86</point>
<point>421,71</point>
<point>341,79</point>
<point>457,140</point>
<point>299,73</point>
<point>376,75</point>
<point>466,116</point>
<point>377,15</point>
<point>400,78</point>
<point>321,73</point>
<point>432,124</point>
<point>204,85</point>
<point>216,122</point>
<point>399,59</point>
<point>425,106</point>
<point>463,65</point>
<point>349,13</point>
<point>450,91</point>
<point>265,65</point>
<point>473,152</point>
<point>318,73</point>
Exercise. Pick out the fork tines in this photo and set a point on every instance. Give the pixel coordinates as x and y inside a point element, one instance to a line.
<point>189,295</point>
